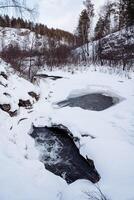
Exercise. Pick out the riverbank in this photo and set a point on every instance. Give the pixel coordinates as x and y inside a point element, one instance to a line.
<point>105,136</point>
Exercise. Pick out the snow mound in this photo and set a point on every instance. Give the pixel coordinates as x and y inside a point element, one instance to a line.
<point>14,88</point>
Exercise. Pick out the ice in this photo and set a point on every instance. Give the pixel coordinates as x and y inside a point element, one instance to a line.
<point>24,177</point>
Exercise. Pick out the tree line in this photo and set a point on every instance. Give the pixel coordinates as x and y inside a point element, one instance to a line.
<point>51,47</point>
<point>56,46</point>
<point>113,16</point>
<point>38,28</point>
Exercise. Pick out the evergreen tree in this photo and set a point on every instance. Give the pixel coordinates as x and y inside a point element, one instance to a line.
<point>7,20</point>
<point>126,13</point>
<point>41,29</point>
<point>122,14</point>
<point>2,22</point>
<point>83,27</point>
<point>13,22</point>
<point>90,11</point>
<point>90,8</point>
<point>108,20</point>
<point>130,12</point>
<point>99,29</point>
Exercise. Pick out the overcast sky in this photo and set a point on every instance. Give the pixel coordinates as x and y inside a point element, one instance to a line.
<point>62,14</point>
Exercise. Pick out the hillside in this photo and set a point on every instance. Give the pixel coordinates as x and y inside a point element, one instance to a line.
<point>27,39</point>
<point>116,49</point>
<point>25,49</point>
<point>37,50</point>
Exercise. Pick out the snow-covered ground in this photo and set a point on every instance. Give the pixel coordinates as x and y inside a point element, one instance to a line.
<point>24,177</point>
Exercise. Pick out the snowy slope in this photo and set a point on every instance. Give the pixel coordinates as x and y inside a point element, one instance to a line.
<point>24,38</point>
<point>23,177</point>
<point>118,46</point>
<point>14,88</point>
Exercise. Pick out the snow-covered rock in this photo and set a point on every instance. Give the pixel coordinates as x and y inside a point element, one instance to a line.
<point>14,90</point>
<point>24,39</point>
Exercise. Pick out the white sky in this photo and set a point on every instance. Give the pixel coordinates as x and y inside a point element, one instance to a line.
<point>62,14</point>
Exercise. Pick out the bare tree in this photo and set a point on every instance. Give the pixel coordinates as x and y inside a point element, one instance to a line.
<point>32,46</point>
<point>19,6</point>
<point>90,11</point>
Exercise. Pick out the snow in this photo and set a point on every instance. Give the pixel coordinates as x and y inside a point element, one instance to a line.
<point>24,38</point>
<point>24,177</point>
<point>113,43</point>
<point>113,129</point>
<point>16,88</point>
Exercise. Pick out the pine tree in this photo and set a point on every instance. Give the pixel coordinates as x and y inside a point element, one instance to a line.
<point>89,7</point>
<point>126,14</point>
<point>99,29</point>
<point>129,7</point>
<point>13,22</point>
<point>83,27</point>
<point>7,20</point>
<point>130,12</point>
<point>122,14</point>
<point>104,26</point>
<point>90,11</point>
<point>2,22</point>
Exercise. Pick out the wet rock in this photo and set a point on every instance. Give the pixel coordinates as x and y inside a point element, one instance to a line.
<point>5,107</point>
<point>25,103</point>
<point>4,75</point>
<point>34,95</point>
<point>13,113</point>
<point>4,85</point>
<point>61,156</point>
<point>7,94</point>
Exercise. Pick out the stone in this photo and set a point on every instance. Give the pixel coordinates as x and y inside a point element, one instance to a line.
<point>4,75</point>
<point>7,94</point>
<point>34,95</point>
<point>5,107</point>
<point>13,113</point>
<point>25,103</point>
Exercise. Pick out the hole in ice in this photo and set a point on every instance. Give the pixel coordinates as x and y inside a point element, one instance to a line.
<point>94,101</point>
<point>61,156</point>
